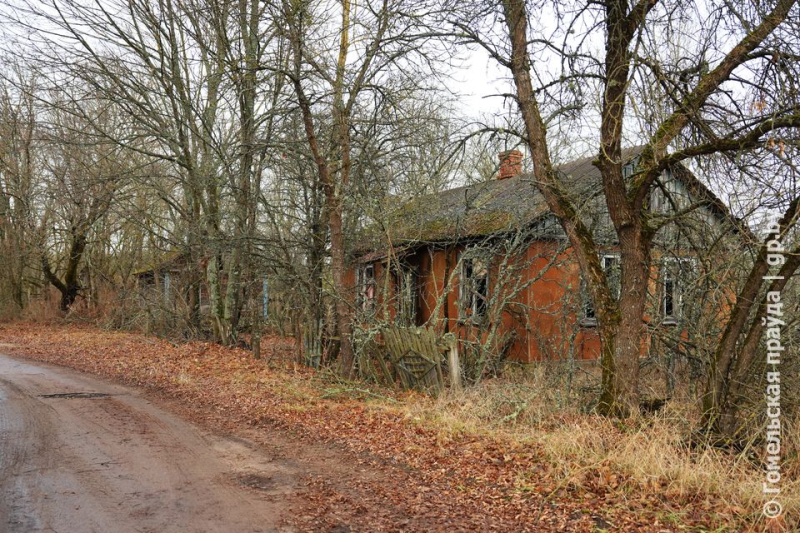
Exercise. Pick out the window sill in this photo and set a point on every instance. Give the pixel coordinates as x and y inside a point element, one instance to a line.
<point>588,323</point>
<point>669,322</point>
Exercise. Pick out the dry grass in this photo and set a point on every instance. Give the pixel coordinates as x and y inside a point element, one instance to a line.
<point>533,410</point>
<point>44,310</point>
<point>651,453</point>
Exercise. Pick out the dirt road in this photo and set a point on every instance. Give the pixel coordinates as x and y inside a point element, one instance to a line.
<point>81,455</point>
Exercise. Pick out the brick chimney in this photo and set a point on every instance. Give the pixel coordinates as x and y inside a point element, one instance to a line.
<point>510,164</point>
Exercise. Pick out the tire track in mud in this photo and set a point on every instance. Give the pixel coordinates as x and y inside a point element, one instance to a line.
<point>77,454</point>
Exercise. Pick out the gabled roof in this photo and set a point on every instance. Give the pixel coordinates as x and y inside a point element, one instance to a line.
<point>469,211</point>
<point>501,206</point>
<point>490,207</point>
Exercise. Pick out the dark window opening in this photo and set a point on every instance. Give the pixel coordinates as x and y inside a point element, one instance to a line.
<point>474,288</point>
<point>676,278</point>
<point>366,288</point>
<point>611,266</point>
<point>669,298</point>
<point>405,290</point>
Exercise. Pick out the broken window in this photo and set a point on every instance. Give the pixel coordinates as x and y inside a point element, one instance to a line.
<point>406,295</point>
<point>474,284</point>
<point>366,288</point>
<point>676,277</point>
<point>611,266</point>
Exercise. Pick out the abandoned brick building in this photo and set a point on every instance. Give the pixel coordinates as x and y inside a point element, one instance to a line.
<point>489,262</point>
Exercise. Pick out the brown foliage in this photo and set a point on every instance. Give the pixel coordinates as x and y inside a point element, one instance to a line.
<point>441,480</point>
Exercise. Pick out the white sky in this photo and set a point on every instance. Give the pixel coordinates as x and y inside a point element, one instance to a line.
<point>478,77</point>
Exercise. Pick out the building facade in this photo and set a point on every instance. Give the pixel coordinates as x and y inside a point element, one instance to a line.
<point>490,264</point>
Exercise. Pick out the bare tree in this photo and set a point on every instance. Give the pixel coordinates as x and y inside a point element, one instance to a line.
<point>83,176</point>
<point>194,94</point>
<point>700,118</point>
<point>338,81</point>
<point>19,166</point>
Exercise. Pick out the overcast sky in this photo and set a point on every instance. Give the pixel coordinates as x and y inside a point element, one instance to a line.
<point>478,77</point>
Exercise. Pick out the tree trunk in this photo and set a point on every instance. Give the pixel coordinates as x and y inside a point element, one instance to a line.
<point>731,391</point>
<point>727,352</point>
<point>629,337</point>
<point>240,257</point>
<point>219,325</point>
<point>614,381</point>
<point>70,287</point>
<point>333,188</point>
<point>343,307</point>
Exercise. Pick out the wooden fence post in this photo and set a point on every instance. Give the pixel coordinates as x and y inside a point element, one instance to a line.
<point>454,365</point>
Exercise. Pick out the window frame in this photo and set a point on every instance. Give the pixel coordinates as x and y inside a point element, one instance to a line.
<point>678,288</point>
<point>367,302</point>
<point>406,294</point>
<point>472,296</point>
<point>588,315</point>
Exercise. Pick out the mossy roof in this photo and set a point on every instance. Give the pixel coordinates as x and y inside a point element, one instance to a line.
<point>501,206</point>
<point>486,208</point>
<point>475,210</point>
